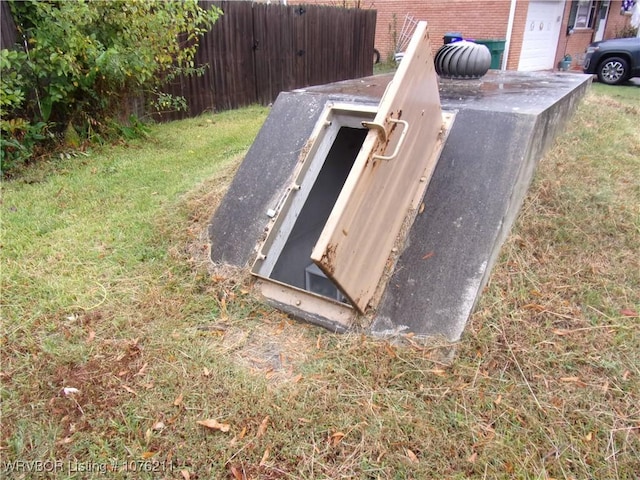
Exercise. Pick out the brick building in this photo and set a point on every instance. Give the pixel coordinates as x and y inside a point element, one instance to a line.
<point>537,33</point>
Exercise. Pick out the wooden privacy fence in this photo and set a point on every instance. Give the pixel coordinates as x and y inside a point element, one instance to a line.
<point>8,31</point>
<point>256,50</point>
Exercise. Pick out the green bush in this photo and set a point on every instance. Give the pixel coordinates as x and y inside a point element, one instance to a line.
<point>79,62</point>
<point>18,136</point>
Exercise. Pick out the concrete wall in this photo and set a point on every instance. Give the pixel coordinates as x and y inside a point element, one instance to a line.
<point>504,124</point>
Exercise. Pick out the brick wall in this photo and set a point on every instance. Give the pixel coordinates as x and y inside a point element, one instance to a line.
<point>475,19</point>
<point>443,16</point>
<point>616,21</point>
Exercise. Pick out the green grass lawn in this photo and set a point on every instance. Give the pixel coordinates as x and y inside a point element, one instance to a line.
<point>106,288</point>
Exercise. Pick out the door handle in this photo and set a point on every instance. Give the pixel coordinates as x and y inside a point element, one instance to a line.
<point>381,130</point>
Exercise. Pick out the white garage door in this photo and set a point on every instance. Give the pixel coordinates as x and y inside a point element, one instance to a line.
<point>541,32</point>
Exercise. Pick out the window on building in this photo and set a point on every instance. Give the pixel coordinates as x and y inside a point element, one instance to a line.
<point>583,14</point>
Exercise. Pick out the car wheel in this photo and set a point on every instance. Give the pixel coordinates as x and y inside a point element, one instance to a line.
<point>613,70</point>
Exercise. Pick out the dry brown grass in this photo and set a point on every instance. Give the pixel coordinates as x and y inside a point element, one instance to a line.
<point>545,382</point>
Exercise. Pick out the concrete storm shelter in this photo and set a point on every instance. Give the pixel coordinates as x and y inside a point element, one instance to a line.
<point>380,204</point>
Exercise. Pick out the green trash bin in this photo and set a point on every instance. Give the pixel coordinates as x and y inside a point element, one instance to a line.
<point>496,47</point>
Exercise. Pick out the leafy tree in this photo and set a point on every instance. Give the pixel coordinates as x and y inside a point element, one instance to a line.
<point>80,61</point>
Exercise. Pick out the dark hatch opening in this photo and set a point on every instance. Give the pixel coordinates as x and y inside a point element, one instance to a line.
<point>294,266</point>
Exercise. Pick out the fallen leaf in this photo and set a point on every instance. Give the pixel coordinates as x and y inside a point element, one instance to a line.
<point>625,375</point>
<point>559,331</point>
<point>421,209</point>
<point>534,306</point>
<point>411,456</point>
<point>262,429</point>
<point>147,455</point>
<point>556,402</point>
<point>147,435</point>
<point>223,306</point>
<point>185,474</point>
<point>390,350</point>
<point>575,380</point>
<point>158,426</point>
<point>238,437</point>
<point>498,400</point>
<point>213,424</point>
<point>508,466</point>
<point>142,369</point>
<point>490,431</point>
<point>627,312</point>
<point>473,457</point>
<point>265,457</point>
<point>588,437</point>
<point>64,441</point>
<point>173,419</point>
<point>336,438</point>
<point>91,336</point>
<point>438,371</point>
<point>296,379</point>
<point>130,390</point>
<point>178,401</point>
<point>237,474</point>
<point>206,372</point>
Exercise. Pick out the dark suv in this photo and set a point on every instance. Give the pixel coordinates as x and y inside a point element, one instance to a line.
<point>614,61</point>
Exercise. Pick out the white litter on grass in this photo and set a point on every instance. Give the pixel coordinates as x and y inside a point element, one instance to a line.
<point>70,391</point>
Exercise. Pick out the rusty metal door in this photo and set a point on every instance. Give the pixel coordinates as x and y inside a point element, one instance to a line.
<point>396,157</point>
